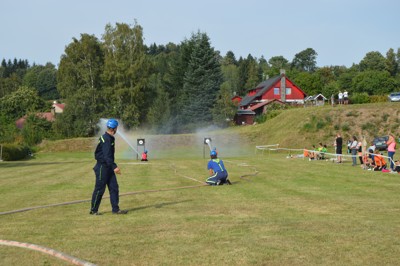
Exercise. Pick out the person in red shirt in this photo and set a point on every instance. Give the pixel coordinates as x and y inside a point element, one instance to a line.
<point>144,156</point>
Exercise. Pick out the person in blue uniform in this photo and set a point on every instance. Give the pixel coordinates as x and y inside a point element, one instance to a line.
<point>218,172</point>
<point>106,170</point>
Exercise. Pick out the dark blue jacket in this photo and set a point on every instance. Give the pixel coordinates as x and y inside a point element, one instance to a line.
<point>105,150</point>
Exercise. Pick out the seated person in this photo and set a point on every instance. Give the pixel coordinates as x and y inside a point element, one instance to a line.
<point>380,162</point>
<point>306,154</point>
<point>397,167</point>
<point>322,152</point>
<point>313,153</point>
<point>144,156</point>
<point>371,150</point>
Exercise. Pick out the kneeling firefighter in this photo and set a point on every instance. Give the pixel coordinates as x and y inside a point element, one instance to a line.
<point>218,172</point>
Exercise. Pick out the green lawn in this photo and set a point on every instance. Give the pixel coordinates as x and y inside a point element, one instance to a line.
<point>279,211</point>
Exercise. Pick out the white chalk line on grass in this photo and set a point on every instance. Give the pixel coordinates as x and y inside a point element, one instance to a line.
<point>48,251</point>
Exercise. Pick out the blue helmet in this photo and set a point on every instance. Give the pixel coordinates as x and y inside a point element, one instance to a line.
<point>213,153</point>
<point>145,151</point>
<point>112,123</point>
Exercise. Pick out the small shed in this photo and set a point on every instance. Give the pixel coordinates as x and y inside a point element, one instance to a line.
<point>315,100</point>
<point>244,117</point>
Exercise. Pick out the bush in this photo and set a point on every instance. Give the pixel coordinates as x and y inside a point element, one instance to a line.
<point>378,98</point>
<point>264,117</point>
<point>320,125</point>
<point>345,127</point>
<point>358,98</point>
<point>12,152</point>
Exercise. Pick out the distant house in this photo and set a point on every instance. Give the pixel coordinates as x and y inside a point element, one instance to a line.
<point>315,100</point>
<point>278,89</point>
<point>57,108</point>
<point>236,100</point>
<point>47,115</point>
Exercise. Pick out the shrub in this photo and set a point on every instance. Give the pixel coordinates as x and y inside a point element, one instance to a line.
<point>307,127</point>
<point>345,127</point>
<point>368,126</point>
<point>385,117</point>
<point>12,152</point>
<point>378,98</point>
<point>264,117</point>
<point>320,125</point>
<point>358,98</point>
<point>352,113</point>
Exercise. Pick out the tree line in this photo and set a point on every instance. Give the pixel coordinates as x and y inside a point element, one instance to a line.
<point>171,88</point>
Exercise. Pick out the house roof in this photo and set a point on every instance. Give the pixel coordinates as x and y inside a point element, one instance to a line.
<point>315,97</point>
<point>60,105</point>
<point>47,115</point>
<point>245,112</point>
<point>258,105</point>
<point>263,86</point>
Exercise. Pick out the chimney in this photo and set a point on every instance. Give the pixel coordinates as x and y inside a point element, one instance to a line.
<point>283,85</point>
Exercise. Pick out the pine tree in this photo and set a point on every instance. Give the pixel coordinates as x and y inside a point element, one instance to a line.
<point>201,83</point>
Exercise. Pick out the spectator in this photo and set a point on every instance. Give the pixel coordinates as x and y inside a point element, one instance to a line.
<point>380,162</point>
<point>348,145</point>
<point>340,97</point>
<point>345,97</point>
<point>339,144</point>
<point>306,154</point>
<point>360,153</point>
<point>313,153</point>
<point>353,149</point>
<point>371,150</point>
<point>391,142</point>
<point>396,167</point>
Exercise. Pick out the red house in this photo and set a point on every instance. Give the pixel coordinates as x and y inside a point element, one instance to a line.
<point>279,89</point>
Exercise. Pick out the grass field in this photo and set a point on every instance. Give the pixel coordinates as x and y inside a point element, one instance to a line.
<point>279,211</point>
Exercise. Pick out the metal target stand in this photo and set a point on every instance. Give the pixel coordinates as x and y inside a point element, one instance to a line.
<point>140,142</point>
<point>207,142</point>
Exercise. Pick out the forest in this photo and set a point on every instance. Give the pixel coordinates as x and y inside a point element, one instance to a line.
<point>164,88</point>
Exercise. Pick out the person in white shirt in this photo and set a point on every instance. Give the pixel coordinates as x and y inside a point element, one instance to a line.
<point>346,97</point>
<point>353,148</point>
<point>340,97</point>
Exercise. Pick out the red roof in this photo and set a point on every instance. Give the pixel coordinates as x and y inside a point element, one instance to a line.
<point>60,105</point>
<point>258,105</point>
<point>48,116</point>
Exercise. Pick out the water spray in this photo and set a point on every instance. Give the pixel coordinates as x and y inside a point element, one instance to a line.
<point>127,141</point>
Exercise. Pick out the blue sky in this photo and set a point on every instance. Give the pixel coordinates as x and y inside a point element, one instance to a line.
<point>340,31</point>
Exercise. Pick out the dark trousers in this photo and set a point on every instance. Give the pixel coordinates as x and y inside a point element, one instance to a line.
<point>105,176</point>
<point>391,155</point>
<point>212,180</point>
<point>354,156</point>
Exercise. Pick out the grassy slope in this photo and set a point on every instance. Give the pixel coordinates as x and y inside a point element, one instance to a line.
<point>293,212</point>
<point>306,126</point>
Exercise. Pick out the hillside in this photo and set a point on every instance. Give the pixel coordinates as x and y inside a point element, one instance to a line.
<point>294,128</point>
<point>301,127</point>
